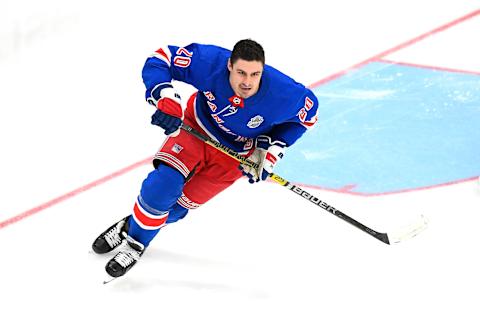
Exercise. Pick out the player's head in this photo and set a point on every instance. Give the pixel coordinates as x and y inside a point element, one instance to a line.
<point>246,67</point>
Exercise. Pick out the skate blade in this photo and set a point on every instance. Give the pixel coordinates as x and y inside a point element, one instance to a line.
<point>108,279</point>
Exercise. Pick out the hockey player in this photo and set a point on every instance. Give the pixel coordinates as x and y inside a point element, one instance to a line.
<point>241,102</point>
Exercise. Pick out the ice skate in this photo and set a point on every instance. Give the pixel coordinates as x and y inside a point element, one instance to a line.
<point>112,237</point>
<point>130,252</point>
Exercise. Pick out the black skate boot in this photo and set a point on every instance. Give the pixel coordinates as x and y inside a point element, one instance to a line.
<point>112,237</point>
<point>125,259</point>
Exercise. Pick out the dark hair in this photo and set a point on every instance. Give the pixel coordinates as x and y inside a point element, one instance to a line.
<point>247,50</point>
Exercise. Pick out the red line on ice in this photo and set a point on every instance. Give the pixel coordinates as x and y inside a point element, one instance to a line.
<point>398,47</point>
<point>347,189</point>
<point>438,68</point>
<point>72,193</point>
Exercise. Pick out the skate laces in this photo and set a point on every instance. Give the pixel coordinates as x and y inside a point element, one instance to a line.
<point>113,236</point>
<point>131,253</point>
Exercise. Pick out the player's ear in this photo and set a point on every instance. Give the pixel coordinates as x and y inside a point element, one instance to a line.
<point>229,65</point>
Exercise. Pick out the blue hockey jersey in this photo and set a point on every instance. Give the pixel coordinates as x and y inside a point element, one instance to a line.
<point>281,108</point>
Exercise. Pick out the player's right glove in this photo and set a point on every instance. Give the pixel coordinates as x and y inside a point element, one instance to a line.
<point>169,112</point>
<point>266,155</point>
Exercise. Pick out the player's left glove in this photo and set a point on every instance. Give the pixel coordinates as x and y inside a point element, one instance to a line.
<point>266,155</point>
<point>169,112</point>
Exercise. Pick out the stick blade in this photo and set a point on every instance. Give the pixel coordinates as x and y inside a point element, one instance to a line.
<point>409,231</point>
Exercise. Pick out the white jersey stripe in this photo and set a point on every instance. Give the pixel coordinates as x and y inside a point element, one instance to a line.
<point>163,54</point>
<point>173,161</point>
<point>187,203</point>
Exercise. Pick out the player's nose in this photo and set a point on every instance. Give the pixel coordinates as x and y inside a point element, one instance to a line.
<point>246,82</point>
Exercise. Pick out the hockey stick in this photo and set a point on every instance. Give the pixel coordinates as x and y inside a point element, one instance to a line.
<point>406,233</point>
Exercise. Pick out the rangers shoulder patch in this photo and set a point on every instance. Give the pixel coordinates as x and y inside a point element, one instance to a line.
<point>255,121</point>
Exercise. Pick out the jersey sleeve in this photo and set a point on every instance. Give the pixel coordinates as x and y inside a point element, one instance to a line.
<point>290,131</point>
<point>189,64</point>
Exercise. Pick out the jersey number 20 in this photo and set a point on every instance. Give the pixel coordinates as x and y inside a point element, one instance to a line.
<point>183,58</point>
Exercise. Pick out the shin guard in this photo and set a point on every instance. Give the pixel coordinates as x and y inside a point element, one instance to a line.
<point>159,192</point>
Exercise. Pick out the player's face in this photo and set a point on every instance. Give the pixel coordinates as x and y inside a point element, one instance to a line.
<point>245,77</point>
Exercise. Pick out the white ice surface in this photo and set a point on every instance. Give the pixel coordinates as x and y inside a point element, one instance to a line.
<point>72,111</point>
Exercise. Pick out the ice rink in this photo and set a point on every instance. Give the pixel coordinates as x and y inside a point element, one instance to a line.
<point>77,142</point>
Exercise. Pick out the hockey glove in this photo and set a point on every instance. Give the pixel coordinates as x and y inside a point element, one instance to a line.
<point>266,155</point>
<point>169,112</point>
